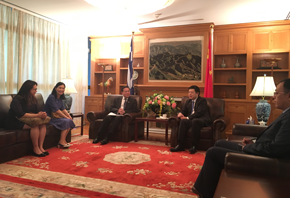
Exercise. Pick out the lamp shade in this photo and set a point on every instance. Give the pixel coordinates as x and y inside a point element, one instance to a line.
<point>264,86</point>
<point>69,86</point>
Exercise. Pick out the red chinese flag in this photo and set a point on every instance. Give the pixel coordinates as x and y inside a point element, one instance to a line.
<point>208,92</point>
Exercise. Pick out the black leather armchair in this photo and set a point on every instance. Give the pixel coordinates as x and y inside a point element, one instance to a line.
<point>208,135</point>
<point>252,176</point>
<point>127,127</point>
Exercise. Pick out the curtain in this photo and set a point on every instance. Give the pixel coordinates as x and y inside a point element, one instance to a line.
<point>37,49</point>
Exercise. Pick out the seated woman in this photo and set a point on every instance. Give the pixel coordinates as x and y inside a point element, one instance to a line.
<point>60,118</point>
<point>24,105</point>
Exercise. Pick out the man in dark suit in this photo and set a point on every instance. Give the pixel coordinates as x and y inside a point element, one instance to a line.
<point>194,114</point>
<point>120,106</point>
<point>273,142</point>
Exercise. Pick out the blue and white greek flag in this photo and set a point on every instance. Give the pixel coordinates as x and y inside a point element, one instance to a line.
<point>130,82</point>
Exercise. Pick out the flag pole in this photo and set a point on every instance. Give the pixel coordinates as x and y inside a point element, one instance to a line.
<point>130,82</point>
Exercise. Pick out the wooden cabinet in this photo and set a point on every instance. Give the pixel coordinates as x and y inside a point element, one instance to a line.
<point>278,74</point>
<point>230,43</point>
<point>230,82</point>
<point>97,76</point>
<point>271,40</point>
<point>251,44</point>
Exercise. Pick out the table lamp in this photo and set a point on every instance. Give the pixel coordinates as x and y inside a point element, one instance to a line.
<point>69,89</point>
<point>264,86</point>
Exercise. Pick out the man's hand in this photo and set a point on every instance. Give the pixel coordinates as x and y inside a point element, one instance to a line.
<point>247,141</point>
<point>183,117</point>
<point>121,111</point>
<point>180,115</point>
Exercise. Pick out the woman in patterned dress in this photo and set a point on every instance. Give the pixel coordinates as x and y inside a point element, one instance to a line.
<point>55,105</point>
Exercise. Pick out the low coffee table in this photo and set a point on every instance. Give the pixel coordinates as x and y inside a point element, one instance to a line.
<point>150,119</point>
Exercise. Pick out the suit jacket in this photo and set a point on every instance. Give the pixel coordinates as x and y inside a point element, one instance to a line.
<point>274,141</point>
<point>201,110</point>
<point>131,106</point>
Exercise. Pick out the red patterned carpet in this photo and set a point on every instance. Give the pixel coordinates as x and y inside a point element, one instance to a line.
<point>92,170</point>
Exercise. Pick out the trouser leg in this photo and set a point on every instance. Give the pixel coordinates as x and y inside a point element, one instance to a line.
<point>182,132</point>
<point>208,177</point>
<point>104,126</point>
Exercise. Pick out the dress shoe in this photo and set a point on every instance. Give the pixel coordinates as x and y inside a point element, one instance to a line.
<point>38,155</point>
<point>192,150</point>
<point>59,145</point>
<point>196,192</point>
<point>46,153</point>
<point>96,140</point>
<point>105,141</point>
<point>177,148</point>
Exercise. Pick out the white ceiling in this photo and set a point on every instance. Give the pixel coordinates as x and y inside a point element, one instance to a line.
<point>93,22</point>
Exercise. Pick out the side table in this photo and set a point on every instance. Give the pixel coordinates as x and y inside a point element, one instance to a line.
<point>149,119</point>
<point>77,115</point>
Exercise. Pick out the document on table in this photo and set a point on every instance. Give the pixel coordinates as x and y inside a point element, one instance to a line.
<point>113,114</point>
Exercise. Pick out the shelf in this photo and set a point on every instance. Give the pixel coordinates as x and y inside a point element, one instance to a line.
<point>235,100</point>
<point>229,69</point>
<point>267,70</point>
<point>133,57</point>
<point>229,84</point>
<point>230,53</point>
<point>105,72</point>
<point>135,68</point>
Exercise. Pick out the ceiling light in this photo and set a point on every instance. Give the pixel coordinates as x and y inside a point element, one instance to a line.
<point>136,7</point>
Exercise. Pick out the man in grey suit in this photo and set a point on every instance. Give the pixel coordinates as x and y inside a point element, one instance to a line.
<point>121,105</point>
<point>273,142</point>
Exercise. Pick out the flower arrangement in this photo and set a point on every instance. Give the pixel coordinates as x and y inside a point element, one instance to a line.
<point>160,104</point>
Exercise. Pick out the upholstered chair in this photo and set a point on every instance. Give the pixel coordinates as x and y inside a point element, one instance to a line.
<point>252,176</point>
<point>127,127</point>
<point>208,135</point>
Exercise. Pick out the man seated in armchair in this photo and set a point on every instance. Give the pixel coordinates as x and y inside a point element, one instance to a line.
<point>120,106</point>
<point>273,142</point>
<point>194,114</point>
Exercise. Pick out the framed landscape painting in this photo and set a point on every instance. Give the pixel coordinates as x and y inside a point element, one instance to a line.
<point>175,59</point>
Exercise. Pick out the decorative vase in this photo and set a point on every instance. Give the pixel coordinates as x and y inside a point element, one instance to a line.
<point>237,64</point>
<point>223,65</point>
<point>263,109</point>
<point>151,114</point>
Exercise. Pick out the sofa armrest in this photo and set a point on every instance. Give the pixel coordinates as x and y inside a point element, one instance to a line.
<point>173,121</point>
<point>218,126</point>
<point>247,129</point>
<point>92,116</point>
<point>257,165</point>
<point>130,117</point>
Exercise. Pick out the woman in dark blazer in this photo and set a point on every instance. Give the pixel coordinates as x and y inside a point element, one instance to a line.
<point>24,105</point>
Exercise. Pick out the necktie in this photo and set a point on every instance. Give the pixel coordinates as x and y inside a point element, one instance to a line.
<point>192,107</point>
<point>125,103</point>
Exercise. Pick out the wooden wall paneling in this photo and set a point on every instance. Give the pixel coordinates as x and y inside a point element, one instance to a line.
<point>221,43</point>
<point>271,39</point>
<point>280,40</point>
<point>261,41</point>
<point>239,42</point>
